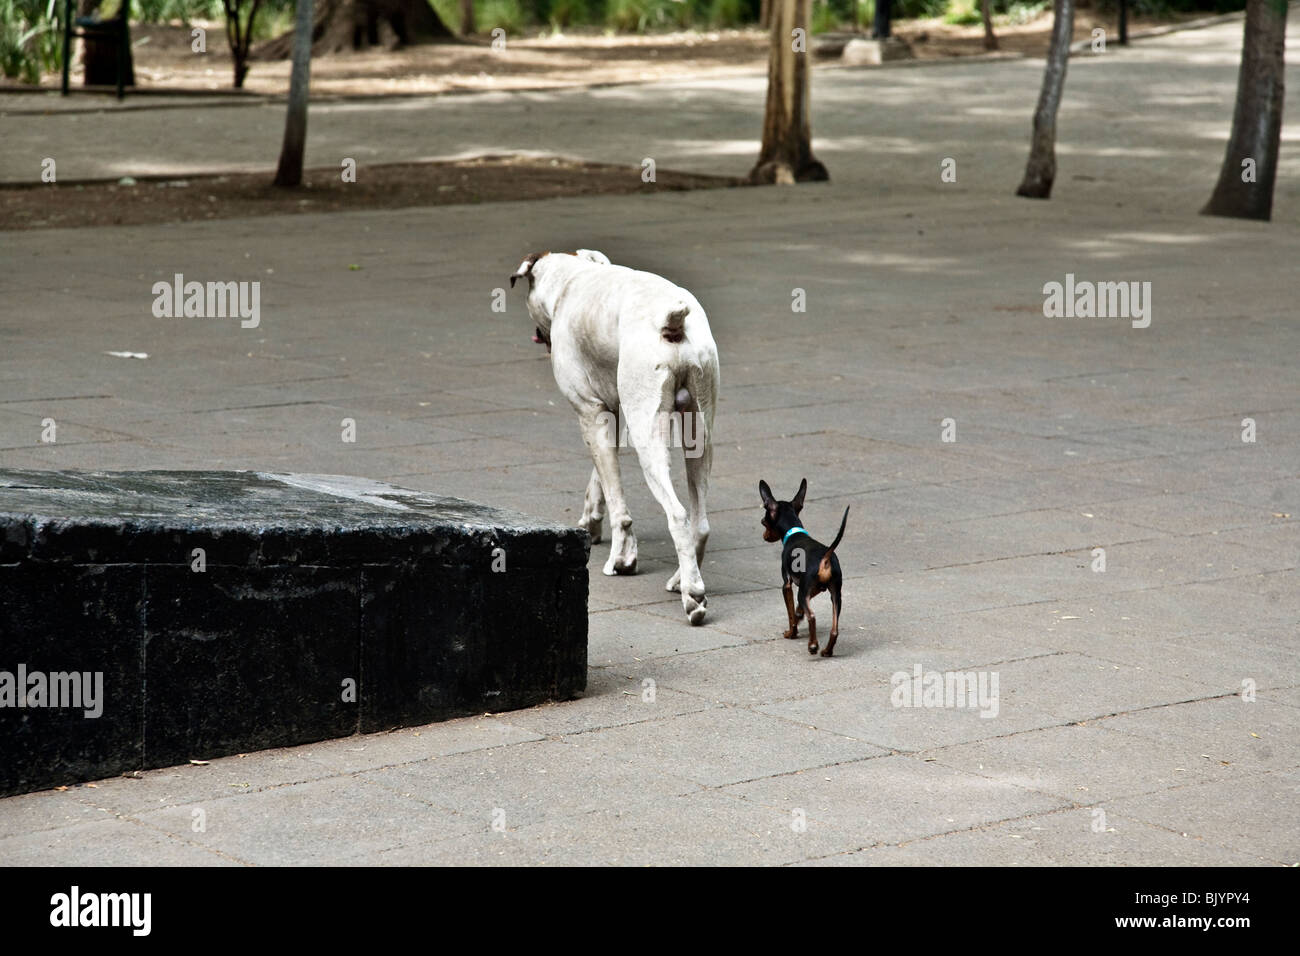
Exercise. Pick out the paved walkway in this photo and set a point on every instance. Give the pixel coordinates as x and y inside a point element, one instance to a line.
<point>1121,733</point>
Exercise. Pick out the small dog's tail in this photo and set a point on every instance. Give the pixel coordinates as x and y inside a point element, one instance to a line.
<point>674,327</point>
<point>824,568</point>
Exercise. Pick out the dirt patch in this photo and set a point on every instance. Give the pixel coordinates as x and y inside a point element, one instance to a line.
<point>538,62</point>
<point>164,59</point>
<point>396,186</point>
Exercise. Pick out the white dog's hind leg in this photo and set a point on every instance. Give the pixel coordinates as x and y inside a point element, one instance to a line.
<point>593,508</point>
<point>697,449</point>
<point>600,432</point>
<point>648,429</point>
<point>699,463</point>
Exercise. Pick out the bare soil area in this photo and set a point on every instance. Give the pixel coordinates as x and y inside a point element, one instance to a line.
<point>164,59</point>
<point>396,186</point>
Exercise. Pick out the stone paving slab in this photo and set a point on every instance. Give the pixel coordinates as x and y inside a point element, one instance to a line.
<point>1063,838</point>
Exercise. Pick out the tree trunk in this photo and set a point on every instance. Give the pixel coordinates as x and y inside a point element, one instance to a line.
<point>467,25</point>
<point>990,38</point>
<point>1256,119</point>
<point>99,53</point>
<point>786,155</point>
<point>356,24</point>
<point>239,33</point>
<point>765,14</point>
<point>1040,171</point>
<point>289,172</point>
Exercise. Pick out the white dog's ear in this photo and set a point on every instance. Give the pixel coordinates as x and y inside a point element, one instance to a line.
<point>591,255</point>
<point>526,267</point>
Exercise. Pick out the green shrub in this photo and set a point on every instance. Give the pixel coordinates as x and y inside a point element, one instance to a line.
<point>726,14</point>
<point>507,14</point>
<point>637,16</point>
<point>568,13</point>
<point>30,39</point>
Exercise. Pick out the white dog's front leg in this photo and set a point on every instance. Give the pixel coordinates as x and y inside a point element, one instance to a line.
<point>600,432</point>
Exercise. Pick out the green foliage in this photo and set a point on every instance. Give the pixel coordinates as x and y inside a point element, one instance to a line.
<point>567,13</point>
<point>165,11</point>
<point>825,18</point>
<point>963,13</point>
<point>30,39</point>
<point>638,16</point>
<point>727,14</point>
<point>509,15</point>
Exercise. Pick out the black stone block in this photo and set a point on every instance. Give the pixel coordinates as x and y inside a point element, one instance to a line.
<point>232,611</point>
<point>61,621</point>
<point>240,659</point>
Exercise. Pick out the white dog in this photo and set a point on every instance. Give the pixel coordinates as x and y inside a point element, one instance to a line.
<point>631,344</point>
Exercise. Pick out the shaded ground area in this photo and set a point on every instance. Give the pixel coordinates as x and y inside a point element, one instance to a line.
<point>395,186</point>
<point>164,58</point>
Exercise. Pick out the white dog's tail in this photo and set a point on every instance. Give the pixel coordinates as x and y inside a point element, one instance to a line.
<point>674,327</point>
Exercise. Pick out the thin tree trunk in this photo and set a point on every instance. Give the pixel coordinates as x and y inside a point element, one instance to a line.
<point>240,36</point>
<point>1040,171</point>
<point>1256,119</point>
<point>786,155</point>
<point>986,12</point>
<point>765,14</point>
<point>467,25</point>
<point>289,172</point>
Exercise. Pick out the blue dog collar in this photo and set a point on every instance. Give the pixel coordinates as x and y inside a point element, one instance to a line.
<point>792,531</point>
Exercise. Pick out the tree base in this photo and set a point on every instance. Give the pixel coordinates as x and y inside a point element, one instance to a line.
<point>1232,210</point>
<point>1035,190</point>
<point>775,172</point>
<point>341,25</point>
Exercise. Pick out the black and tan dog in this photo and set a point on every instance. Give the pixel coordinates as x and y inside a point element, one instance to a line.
<point>805,562</point>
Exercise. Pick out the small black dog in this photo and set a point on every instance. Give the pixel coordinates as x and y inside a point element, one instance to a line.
<point>814,566</point>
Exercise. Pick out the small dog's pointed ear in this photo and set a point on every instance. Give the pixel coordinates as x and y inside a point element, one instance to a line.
<point>797,501</point>
<point>765,493</point>
<point>525,267</point>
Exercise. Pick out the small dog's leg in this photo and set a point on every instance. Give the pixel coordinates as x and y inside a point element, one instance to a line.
<point>835,620</point>
<point>812,626</point>
<point>593,508</point>
<point>600,432</point>
<point>787,591</point>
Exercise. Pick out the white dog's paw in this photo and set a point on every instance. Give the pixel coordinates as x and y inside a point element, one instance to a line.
<point>622,552</point>
<point>591,524</point>
<point>674,583</point>
<point>694,601</point>
<point>695,608</point>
